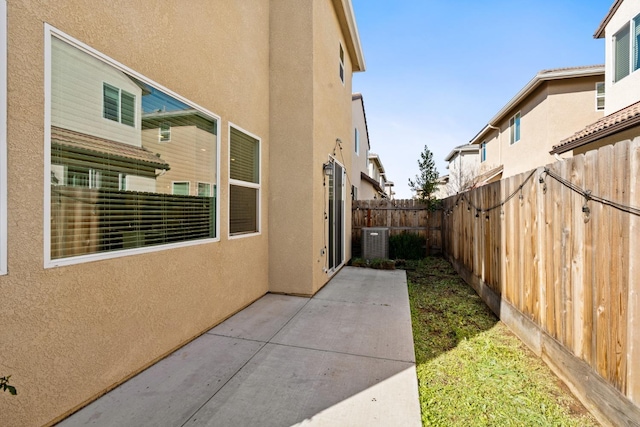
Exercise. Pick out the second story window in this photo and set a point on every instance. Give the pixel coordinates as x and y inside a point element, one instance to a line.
<point>357,140</point>
<point>626,58</point>
<point>600,96</point>
<point>341,64</point>
<point>483,152</point>
<point>118,105</point>
<point>514,129</point>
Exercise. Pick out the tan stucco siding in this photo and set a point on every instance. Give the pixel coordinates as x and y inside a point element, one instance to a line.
<point>629,134</point>
<point>70,333</point>
<point>333,121</point>
<point>291,154</point>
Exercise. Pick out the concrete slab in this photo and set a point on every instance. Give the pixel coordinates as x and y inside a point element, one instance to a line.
<point>360,329</point>
<point>172,390</point>
<point>342,358</point>
<point>284,386</point>
<point>262,319</point>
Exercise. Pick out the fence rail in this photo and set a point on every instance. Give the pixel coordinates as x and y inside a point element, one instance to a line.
<point>562,266</point>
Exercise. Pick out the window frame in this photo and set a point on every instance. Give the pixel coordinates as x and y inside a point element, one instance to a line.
<point>3,138</point>
<point>357,140</point>
<point>598,96</point>
<point>483,152</point>
<point>199,183</point>
<point>164,135</point>
<point>633,63</point>
<point>173,188</point>
<point>245,184</point>
<point>515,124</point>
<point>119,104</point>
<point>49,33</point>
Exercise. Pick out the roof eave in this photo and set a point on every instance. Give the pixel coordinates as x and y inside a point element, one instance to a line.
<point>600,30</point>
<point>540,78</point>
<point>608,131</point>
<point>347,20</point>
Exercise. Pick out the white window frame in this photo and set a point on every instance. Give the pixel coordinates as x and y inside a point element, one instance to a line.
<point>49,32</point>
<point>515,120</point>
<point>3,137</point>
<point>357,138</point>
<point>342,70</point>
<point>483,152</point>
<point>246,184</point>
<point>119,105</point>
<point>598,97</point>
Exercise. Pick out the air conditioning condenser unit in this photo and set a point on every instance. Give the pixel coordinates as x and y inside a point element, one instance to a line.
<point>375,243</point>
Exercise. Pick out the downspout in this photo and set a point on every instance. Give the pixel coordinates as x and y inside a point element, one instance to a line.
<point>499,143</point>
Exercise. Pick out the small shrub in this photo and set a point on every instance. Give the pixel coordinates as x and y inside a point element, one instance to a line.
<point>358,262</point>
<point>407,246</point>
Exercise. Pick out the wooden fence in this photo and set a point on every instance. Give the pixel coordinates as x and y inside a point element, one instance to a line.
<point>400,216</point>
<point>562,268</point>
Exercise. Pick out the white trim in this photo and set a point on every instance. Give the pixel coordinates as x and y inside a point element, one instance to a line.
<point>246,184</point>
<point>603,96</point>
<point>512,128</point>
<point>3,137</point>
<point>181,182</point>
<point>49,32</point>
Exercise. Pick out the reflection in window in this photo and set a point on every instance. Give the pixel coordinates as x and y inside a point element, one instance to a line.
<point>117,187</point>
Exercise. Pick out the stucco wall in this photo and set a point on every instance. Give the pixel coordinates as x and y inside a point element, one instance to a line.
<point>554,111</point>
<point>360,160</point>
<point>624,92</point>
<point>69,333</point>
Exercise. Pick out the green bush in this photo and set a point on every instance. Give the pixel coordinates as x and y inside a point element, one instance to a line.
<point>407,246</point>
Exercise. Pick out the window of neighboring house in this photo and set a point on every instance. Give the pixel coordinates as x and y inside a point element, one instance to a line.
<point>181,188</point>
<point>244,183</point>
<point>626,57</point>
<point>483,152</point>
<point>3,137</point>
<point>341,63</point>
<point>165,132</point>
<point>354,192</point>
<point>600,96</point>
<point>514,128</point>
<point>114,188</point>
<point>118,105</point>
<point>357,140</point>
<point>204,189</point>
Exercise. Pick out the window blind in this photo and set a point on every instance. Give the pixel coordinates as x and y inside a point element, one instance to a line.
<point>114,184</point>
<point>621,52</point>
<point>244,189</point>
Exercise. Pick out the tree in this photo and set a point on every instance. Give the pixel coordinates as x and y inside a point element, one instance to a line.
<point>426,182</point>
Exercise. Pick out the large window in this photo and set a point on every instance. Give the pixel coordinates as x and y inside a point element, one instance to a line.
<point>244,183</point>
<point>514,129</point>
<point>600,96</point>
<point>114,185</point>
<point>626,43</point>
<point>3,137</point>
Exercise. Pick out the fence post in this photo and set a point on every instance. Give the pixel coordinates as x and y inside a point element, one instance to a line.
<point>633,307</point>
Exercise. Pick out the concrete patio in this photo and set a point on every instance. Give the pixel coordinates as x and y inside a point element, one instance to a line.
<point>342,358</point>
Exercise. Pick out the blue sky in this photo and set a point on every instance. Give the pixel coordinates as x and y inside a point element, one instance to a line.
<point>438,70</point>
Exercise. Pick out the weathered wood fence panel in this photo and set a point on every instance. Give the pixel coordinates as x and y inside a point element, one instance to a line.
<point>400,216</point>
<point>566,262</point>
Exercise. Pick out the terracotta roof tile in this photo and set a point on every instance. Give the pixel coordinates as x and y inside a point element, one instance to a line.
<point>82,141</point>
<point>615,122</point>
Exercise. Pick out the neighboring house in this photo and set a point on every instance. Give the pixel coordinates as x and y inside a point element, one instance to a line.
<point>167,167</point>
<point>551,106</point>
<point>464,168</point>
<point>621,30</point>
<point>361,188</point>
<point>376,178</point>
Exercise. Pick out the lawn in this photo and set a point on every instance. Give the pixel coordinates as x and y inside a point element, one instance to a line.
<point>472,371</point>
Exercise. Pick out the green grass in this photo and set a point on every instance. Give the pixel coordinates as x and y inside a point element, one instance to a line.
<point>472,371</point>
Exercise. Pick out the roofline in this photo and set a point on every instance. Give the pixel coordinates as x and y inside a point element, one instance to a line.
<point>600,30</point>
<point>464,148</point>
<point>373,182</point>
<point>347,20</point>
<point>355,97</point>
<point>608,131</point>
<point>374,156</point>
<point>534,83</point>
